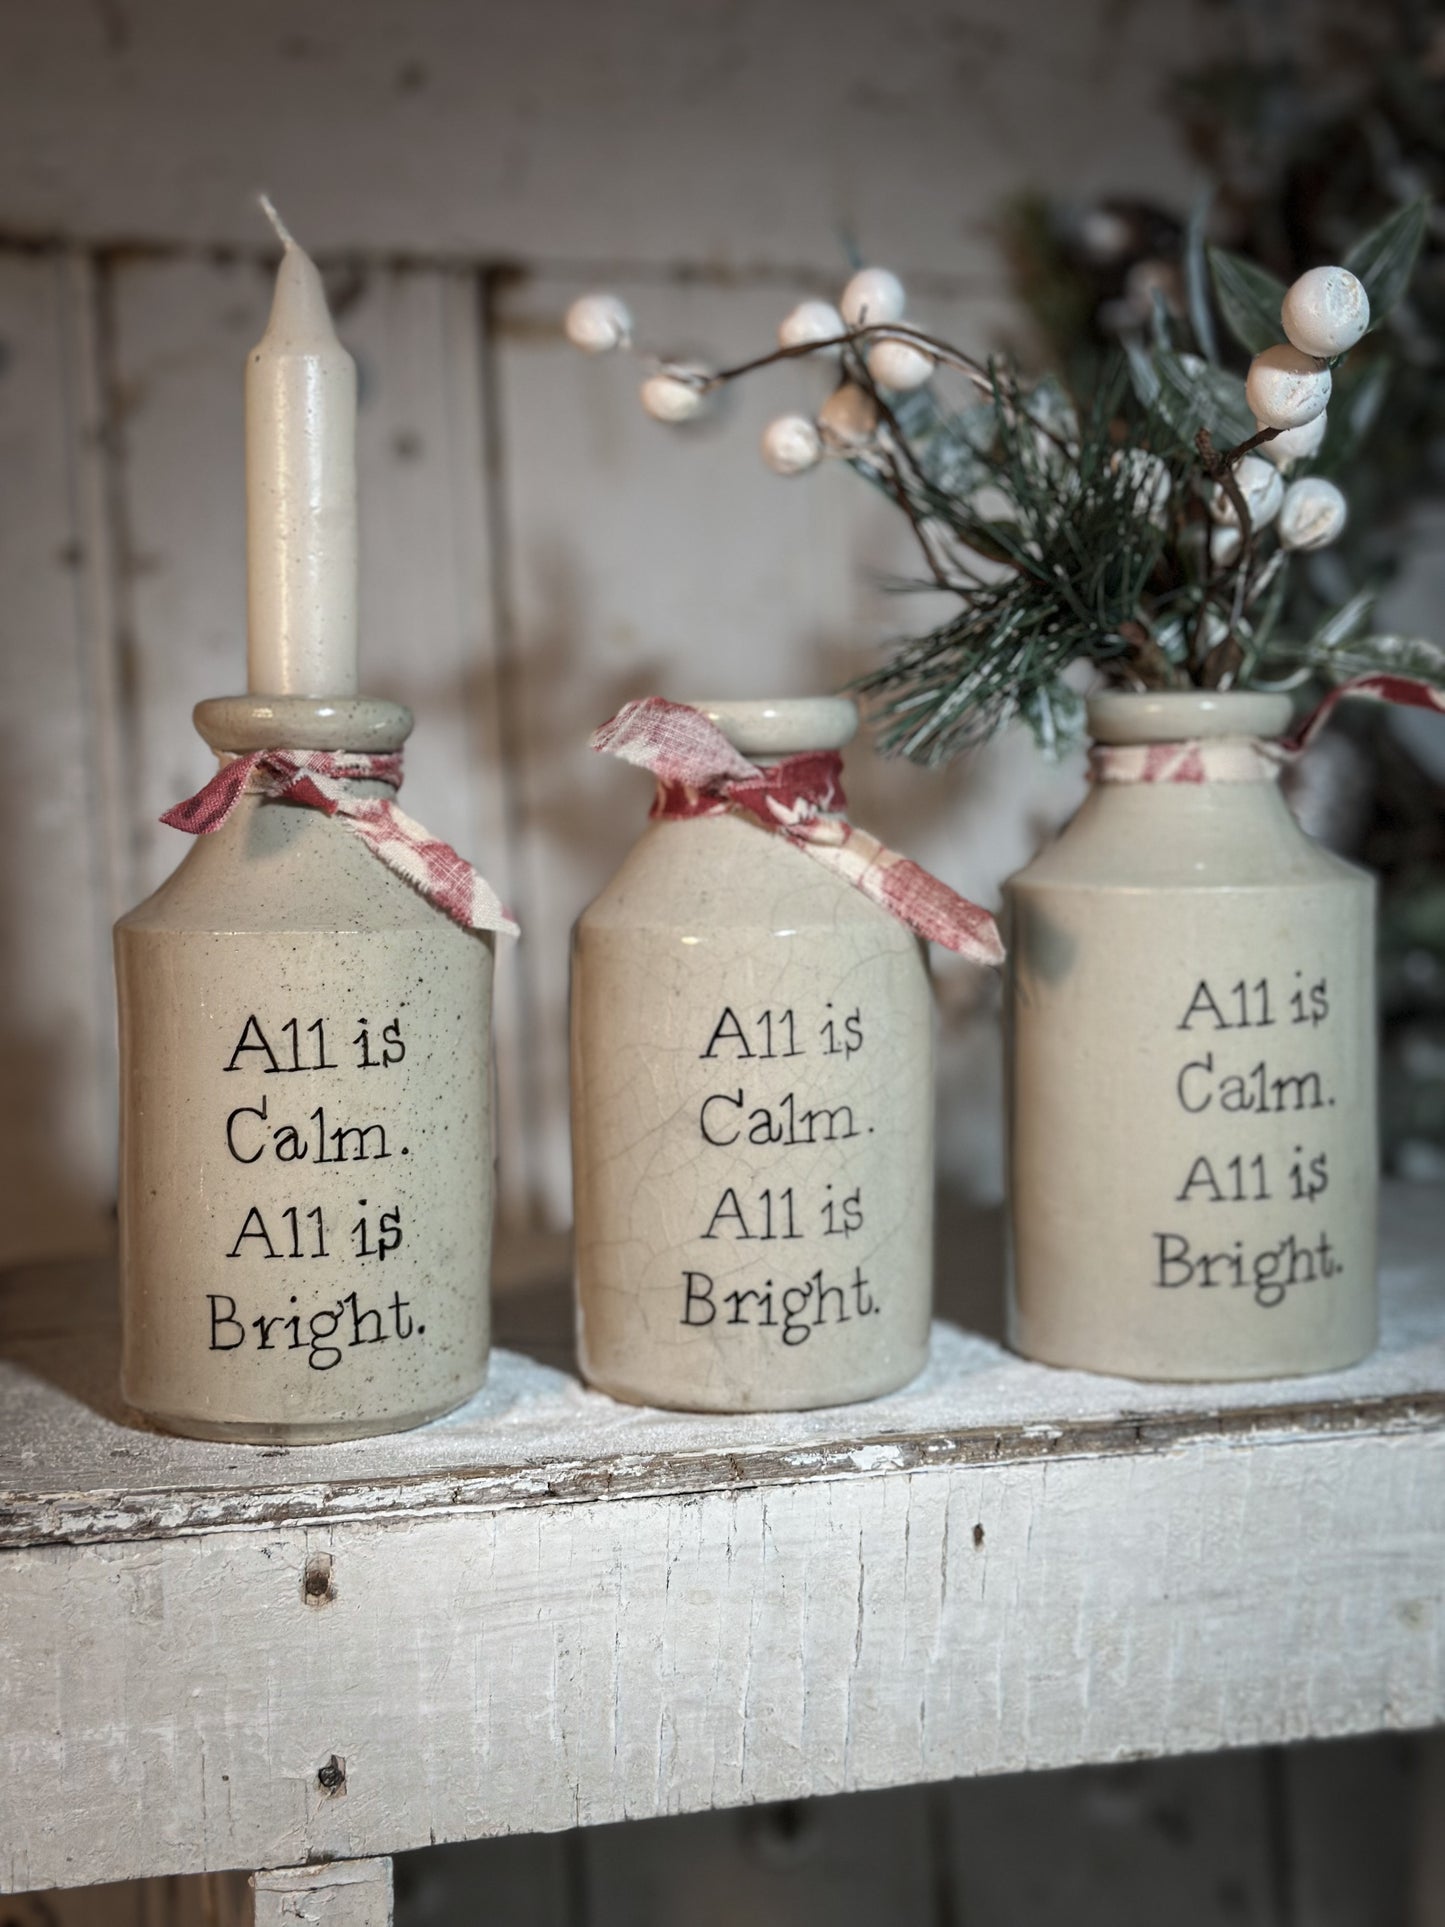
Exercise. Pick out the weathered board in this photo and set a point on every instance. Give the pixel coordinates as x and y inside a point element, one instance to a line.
<point>57,1134</point>
<point>552,1610</point>
<point>731,134</point>
<point>1304,1836</point>
<point>349,1893</point>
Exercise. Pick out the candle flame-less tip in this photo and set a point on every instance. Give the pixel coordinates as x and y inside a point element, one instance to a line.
<point>287,239</point>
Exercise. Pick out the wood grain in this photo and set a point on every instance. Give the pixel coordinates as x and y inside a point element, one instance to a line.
<point>352,1893</point>
<point>554,1611</point>
<point>57,1131</point>
<point>730,135</point>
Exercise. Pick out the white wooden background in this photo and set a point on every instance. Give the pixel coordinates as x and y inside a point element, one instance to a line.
<point>534,552</point>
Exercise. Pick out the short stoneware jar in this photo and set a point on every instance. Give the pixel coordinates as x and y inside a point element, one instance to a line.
<point>306,1140</point>
<point>1191,1018</point>
<point>752,1114</point>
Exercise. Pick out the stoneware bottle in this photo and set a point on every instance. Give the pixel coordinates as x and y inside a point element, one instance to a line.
<point>752,1114</point>
<point>1192,1065</point>
<point>306,1154</point>
<point>306,1159</point>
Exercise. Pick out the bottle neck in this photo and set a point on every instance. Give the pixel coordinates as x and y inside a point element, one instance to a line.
<point>1196,763</point>
<point>1187,736</point>
<point>355,742</point>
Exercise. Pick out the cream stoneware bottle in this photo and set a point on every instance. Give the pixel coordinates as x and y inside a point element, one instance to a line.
<point>306,1163</point>
<point>1192,1064</point>
<point>306,1149</point>
<point>752,1113</point>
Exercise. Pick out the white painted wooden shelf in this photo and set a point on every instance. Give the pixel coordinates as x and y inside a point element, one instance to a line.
<point>550,1609</point>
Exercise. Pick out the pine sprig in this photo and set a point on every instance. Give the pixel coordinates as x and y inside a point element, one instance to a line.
<point>1073,539</point>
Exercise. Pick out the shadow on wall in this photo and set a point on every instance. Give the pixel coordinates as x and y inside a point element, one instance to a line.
<point>576,814</point>
<point>562,689</point>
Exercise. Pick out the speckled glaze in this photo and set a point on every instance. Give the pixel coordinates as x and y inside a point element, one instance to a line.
<point>752,1116</point>
<point>1192,1075</point>
<point>229,1153</point>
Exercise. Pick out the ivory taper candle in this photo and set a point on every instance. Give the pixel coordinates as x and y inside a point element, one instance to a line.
<point>300,492</point>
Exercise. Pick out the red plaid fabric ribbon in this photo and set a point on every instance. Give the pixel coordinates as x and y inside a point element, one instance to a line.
<point>1247,759</point>
<point>699,773</point>
<point>319,780</point>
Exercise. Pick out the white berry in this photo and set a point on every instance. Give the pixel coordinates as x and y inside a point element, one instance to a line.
<point>1312,515</point>
<point>1285,388</point>
<point>874,296</point>
<point>1224,544</point>
<point>1262,487</point>
<point>810,321</point>
<point>1294,444</point>
<point>598,323</point>
<point>898,364</point>
<point>675,394</point>
<point>848,417</point>
<point>791,445</point>
<point>1326,312</point>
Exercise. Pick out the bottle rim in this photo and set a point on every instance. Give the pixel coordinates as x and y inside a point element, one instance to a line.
<point>1186,715</point>
<point>782,726</point>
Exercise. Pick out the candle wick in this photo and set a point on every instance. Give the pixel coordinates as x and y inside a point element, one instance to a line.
<point>268,209</point>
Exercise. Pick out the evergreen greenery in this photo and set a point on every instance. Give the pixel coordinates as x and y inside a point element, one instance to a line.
<point>1076,528</point>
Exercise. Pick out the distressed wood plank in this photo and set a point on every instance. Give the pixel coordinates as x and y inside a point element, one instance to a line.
<point>74,1466</point>
<point>537,1669</point>
<point>1207,1839</point>
<point>350,1893</point>
<point>169,1900</point>
<point>552,1610</point>
<point>722,134</point>
<point>57,1129</point>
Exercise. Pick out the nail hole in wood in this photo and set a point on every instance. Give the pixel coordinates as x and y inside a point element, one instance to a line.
<point>331,1778</point>
<point>316,1586</point>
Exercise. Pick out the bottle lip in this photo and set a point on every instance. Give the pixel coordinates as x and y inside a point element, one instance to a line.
<point>1185,715</point>
<point>782,726</point>
<point>358,723</point>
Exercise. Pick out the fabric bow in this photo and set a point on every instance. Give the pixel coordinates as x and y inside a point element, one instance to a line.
<point>700,773</point>
<point>320,780</point>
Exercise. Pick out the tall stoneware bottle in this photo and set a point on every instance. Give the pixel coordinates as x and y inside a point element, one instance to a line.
<point>1192,1064</point>
<point>306,1151</point>
<point>752,1114</point>
<point>306,1144</point>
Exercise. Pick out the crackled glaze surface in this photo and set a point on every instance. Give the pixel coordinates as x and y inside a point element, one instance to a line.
<point>1192,1075</point>
<point>306,1168</point>
<point>752,1118</point>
